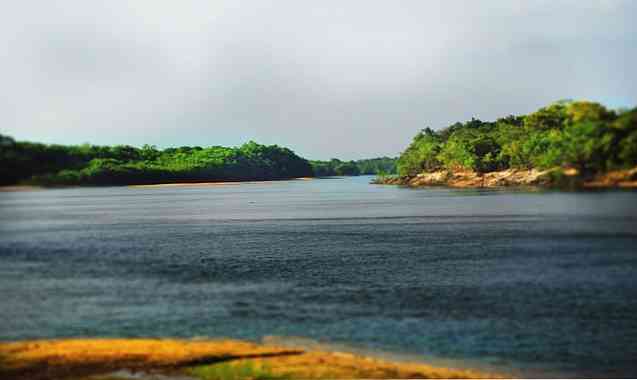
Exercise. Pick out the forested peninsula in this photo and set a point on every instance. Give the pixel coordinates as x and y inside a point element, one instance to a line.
<point>569,144</point>
<point>27,163</point>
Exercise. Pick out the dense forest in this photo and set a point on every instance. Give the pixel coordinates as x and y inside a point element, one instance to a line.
<point>51,165</point>
<point>24,162</point>
<point>578,134</point>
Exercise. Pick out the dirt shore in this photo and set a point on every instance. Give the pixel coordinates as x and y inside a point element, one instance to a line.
<point>13,188</point>
<point>557,177</point>
<point>19,188</point>
<point>84,359</point>
<point>222,183</point>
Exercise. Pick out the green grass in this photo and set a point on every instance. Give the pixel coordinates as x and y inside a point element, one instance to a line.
<point>241,370</point>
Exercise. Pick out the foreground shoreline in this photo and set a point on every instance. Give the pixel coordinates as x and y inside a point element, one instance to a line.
<point>84,359</point>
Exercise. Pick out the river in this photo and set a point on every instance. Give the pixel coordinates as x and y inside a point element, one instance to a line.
<point>538,283</point>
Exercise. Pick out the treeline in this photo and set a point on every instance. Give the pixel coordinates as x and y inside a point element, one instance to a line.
<point>51,165</point>
<point>336,167</point>
<point>578,134</point>
<point>33,163</point>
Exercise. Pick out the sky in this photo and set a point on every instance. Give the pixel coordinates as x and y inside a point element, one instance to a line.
<point>347,78</point>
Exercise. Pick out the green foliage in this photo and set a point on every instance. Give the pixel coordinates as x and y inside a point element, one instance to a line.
<point>584,135</point>
<point>551,117</point>
<point>235,371</point>
<point>336,167</point>
<point>24,162</point>
<point>421,155</point>
<point>587,145</point>
<point>628,149</point>
<point>385,165</point>
<point>584,111</point>
<point>381,176</point>
<point>626,127</point>
<point>456,153</point>
<point>347,168</point>
<point>124,165</point>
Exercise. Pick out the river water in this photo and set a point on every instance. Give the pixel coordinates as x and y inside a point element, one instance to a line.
<point>540,283</point>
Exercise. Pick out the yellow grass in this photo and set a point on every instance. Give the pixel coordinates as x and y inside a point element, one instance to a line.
<point>83,358</point>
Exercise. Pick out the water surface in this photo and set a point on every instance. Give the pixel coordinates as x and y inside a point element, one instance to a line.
<point>537,281</point>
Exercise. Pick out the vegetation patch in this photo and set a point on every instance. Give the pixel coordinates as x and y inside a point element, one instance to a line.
<point>50,165</point>
<point>573,135</point>
<point>336,167</point>
<point>245,369</point>
<point>29,163</point>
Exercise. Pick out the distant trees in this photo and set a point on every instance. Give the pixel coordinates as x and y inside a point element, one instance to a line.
<point>120,165</point>
<point>26,162</point>
<point>336,167</point>
<point>581,134</point>
<point>384,165</point>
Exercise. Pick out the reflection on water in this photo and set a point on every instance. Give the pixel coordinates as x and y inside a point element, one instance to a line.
<point>540,281</point>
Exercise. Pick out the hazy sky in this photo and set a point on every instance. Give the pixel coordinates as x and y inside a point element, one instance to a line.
<point>347,79</point>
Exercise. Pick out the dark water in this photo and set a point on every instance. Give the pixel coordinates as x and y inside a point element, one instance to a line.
<point>543,282</point>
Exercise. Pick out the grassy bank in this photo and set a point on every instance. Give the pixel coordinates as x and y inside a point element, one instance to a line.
<point>84,359</point>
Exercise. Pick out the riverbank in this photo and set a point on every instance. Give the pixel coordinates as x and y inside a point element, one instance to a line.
<point>220,183</point>
<point>115,359</point>
<point>15,188</point>
<point>555,178</point>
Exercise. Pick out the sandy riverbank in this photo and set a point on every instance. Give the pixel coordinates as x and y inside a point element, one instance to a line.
<point>564,178</point>
<point>84,359</point>
<point>19,188</point>
<point>223,183</point>
<point>14,188</point>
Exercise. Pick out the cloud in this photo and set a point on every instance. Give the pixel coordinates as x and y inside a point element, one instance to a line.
<point>345,79</point>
